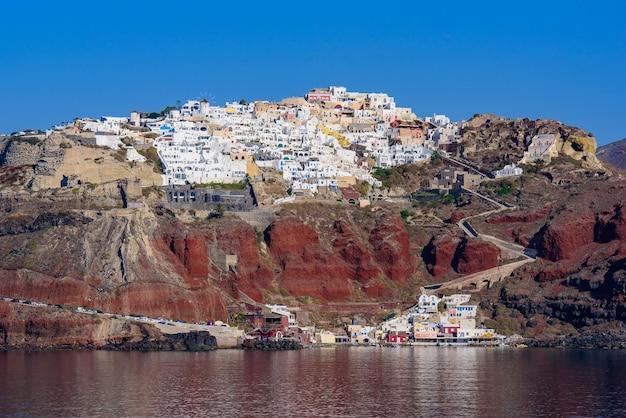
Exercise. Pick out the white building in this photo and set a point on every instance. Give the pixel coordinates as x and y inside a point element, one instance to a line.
<point>195,108</point>
<point>132,155</point>
<point>428,303</point>
<point>439,120</point>
<point>108,139</point>
<point>192,156</point>
<point>508,170</point>
<point>195,142</point>
<point>284,311</point>
<point>541,148</point>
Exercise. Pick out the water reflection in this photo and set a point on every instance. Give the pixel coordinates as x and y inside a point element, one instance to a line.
<point>359,382</point>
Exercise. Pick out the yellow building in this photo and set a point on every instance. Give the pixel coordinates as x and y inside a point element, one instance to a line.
<point>325,337</point>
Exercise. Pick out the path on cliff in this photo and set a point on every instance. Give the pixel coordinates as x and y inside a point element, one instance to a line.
<point>505,245</point>
<point>455,161</point>
<point>495,274</point>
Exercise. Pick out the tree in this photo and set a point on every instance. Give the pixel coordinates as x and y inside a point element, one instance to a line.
<point>405,215</point>
<point>243,102</point>
<point>219,210</point>
<point>166,111</point>
<point>441,306</point>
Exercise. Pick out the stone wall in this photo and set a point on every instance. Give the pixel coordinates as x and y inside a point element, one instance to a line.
<point>18,153</point>
<point>50,159</point>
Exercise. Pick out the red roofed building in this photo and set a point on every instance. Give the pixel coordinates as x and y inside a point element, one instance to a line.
<point>350,195</point>
<point>397,336</point>
<point>318,95</point>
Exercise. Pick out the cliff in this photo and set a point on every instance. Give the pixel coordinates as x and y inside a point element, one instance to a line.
<point>576,288</point>
<point>344,264</point>
<point>460,254</point>
<point>61,160</point>
<point>24,327</point>
<point>78,246</point>
<point>490,141</point>
<point>614,154</point>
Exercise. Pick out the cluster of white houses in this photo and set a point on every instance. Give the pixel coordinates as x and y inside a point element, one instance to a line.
<point>433,320</point>
<point>319,143</point>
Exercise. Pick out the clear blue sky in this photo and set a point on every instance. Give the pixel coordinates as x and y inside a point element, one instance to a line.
<point>563,60</point>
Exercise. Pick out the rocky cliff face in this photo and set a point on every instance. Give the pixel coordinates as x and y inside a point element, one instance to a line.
<point>17,153</point>
<point>23,327</point>
<point>614,154</point>
<point>491,141</point>
<point>571,233</point>
<point>148,262</point>
<point>577,284</point>
<point>78,247</point>
<point>345,263</point>
<point>111,261</point>
<point>61,161</point>
<point>460,254</point>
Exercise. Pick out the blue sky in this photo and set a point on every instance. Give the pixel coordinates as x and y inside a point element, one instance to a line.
<point>563,60</point>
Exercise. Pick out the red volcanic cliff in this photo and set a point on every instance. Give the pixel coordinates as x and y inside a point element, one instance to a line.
<point>251,273</point>
<point>565,236</point>
<point>335,267</point>
<point>475,255</point>
<point>391,248</point>
<point>570,233</point>
<point>463,255</point>
<point>307,268</point>
<point>440,254</point>
<point>311,268</point>
<point>150,263</point>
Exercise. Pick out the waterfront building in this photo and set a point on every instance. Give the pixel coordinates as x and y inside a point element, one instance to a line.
<point>284,311</point>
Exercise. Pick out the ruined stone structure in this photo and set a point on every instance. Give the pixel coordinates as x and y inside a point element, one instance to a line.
<point>50,159</point>
<point>18,153</point>
<point>131,192</point>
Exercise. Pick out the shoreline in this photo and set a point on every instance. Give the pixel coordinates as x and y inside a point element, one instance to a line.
<point>610,343</point>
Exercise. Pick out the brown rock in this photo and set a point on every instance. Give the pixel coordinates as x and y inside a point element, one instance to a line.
<point>5,309</point>
<point>565,236</point>
<point>440,254</point>
<point>612,224</point>
<point>531,217</point>
<point>251,274</point>
<point>464,256</point>
<point>391,248</point>
<point>476,255</point>
<point>456,216</point>
<point>307,267</point>
<point>354,253</point>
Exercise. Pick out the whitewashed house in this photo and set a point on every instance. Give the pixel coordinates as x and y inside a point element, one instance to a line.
<point>508,170</point>
<point>541,148</point>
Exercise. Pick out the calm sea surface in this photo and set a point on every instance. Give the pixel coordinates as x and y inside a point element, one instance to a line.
<point>325,382</point>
